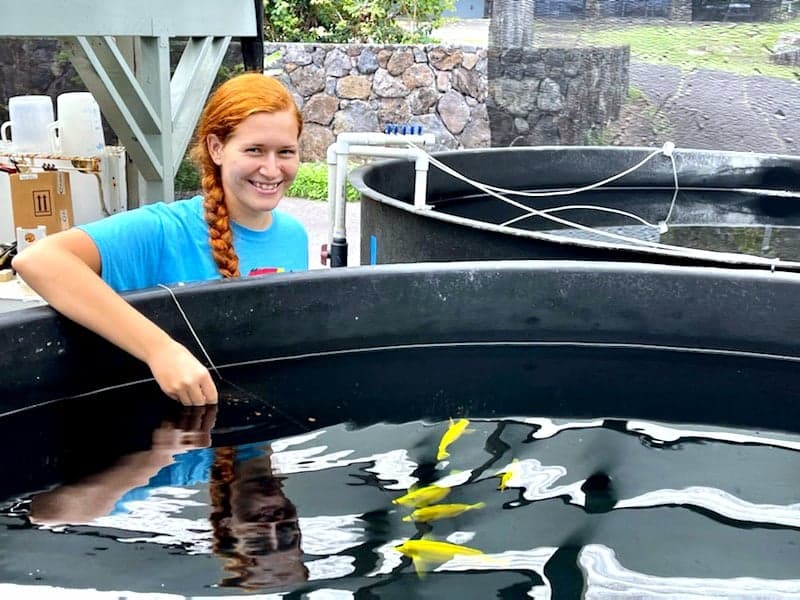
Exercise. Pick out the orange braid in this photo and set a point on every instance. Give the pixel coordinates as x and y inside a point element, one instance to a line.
<point>220,490</point>
<point>219,229</point>
<point>230,104</point>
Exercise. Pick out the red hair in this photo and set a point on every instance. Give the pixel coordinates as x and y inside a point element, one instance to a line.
<point>229,105</point>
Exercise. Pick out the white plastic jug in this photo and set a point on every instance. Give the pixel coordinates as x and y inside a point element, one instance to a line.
<point>80,128</point>
<point>30,118</point>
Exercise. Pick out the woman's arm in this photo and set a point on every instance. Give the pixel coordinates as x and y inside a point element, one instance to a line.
<point>95,495</point>
<point>64,269</point>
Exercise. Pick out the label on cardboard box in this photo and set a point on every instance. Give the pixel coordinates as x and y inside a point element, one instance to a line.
<point>28,235</point>
<point>42,199</point>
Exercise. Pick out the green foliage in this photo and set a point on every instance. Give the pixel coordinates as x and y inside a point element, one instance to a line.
<point>598,136</point>
<point>225,72</point>
<point>187,179</point>
<point>634,93</point>
<point>353,21</point>
<point>312,183</point>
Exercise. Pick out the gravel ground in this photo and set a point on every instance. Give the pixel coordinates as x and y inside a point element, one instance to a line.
<point>315,215</point>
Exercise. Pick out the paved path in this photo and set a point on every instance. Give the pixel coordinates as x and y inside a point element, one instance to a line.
<point>723,111</point>
<point>315,215</point>
<point>713,110</point>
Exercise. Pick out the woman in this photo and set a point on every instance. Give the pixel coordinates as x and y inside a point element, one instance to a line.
<point>247,151</point>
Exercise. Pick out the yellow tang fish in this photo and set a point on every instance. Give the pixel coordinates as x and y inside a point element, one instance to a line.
<point>441,511</point>
<point>505,476</point>
<point>422,496</point>
<point>425,552</point>
<point>451,435</point>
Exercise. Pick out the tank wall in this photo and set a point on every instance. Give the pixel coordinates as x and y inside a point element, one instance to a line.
<point>715,188</point>
<point>485,303</point>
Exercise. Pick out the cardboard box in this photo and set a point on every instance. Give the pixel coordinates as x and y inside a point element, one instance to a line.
<point>42,199</point>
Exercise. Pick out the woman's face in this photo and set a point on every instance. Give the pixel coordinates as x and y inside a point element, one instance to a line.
<point>258,162</point>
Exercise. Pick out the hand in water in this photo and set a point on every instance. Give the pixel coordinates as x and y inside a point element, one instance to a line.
<point>181,376</point>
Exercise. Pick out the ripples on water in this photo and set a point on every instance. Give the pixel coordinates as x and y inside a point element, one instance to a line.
<point>605,508</point>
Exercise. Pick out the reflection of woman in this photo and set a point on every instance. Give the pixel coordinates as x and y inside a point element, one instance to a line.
<point>98,494</point>
<point>255,526</point>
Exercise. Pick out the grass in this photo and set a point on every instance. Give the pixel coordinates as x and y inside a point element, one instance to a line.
<point>312,183</point>
<point>742,48</point>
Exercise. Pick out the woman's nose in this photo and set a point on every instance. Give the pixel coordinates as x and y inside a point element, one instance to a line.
<point>269,165</point>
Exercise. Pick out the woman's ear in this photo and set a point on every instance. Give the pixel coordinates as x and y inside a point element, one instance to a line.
<point>214,145</point>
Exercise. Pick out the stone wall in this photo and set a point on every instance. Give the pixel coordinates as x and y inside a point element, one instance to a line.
<point>554,96</point>
<point>34,66</point>
<point>364,88</point>
<point>547,96</point>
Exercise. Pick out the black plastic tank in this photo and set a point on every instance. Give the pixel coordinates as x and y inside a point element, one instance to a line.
<point>703,345</point>
<point>734,209</point>
<point>364,349</point>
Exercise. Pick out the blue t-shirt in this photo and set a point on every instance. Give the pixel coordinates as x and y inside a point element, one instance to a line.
<point>190,468</point>
<point>167,243</point>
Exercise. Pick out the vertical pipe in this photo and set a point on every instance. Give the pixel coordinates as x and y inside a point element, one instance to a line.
<point>339,241</point>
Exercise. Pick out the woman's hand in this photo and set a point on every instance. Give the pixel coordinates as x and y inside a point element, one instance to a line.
<point>181,376</point>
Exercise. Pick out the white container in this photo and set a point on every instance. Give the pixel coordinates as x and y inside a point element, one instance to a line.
<point>30,119</point>
<point>80,128</point>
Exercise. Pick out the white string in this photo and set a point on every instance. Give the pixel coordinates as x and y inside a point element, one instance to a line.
<point>584,207</point>
<point>679,250</point>
<point>675,193</point>
<point>531,212</point>
<point>189,325</point>
<point>534,212</point>
<point>585,188</point>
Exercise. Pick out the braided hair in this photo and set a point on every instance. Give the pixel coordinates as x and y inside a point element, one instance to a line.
<point>229,105</point>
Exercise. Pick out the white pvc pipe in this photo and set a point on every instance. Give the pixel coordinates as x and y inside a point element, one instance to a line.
<point>372,144</point>
<point>339,223</point>
<point>331,160</point>
<point>421,167</point>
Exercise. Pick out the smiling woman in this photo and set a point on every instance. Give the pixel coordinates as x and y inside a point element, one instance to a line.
<point>246,148</point>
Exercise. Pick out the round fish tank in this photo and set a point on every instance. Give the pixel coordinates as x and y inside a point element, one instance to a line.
<point>461,429</point>
<point>668,206</point>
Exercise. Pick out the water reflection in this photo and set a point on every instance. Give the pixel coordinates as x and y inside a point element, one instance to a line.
<point>602,505</point>
<point>255,526</point>
<point>132,475</point>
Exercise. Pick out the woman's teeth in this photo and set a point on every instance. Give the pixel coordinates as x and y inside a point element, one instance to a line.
<point>267,187</point>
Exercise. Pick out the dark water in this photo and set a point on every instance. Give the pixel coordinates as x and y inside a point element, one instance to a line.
<point>302,505</point>
<point>722,220</point>
<point>766,241</point>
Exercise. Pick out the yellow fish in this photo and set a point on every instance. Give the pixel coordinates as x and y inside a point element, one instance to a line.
<point>505,476</point>
<point>425,552</point>
<point>422,496</point>
<point>451,435</point>
<point>441,511</point>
